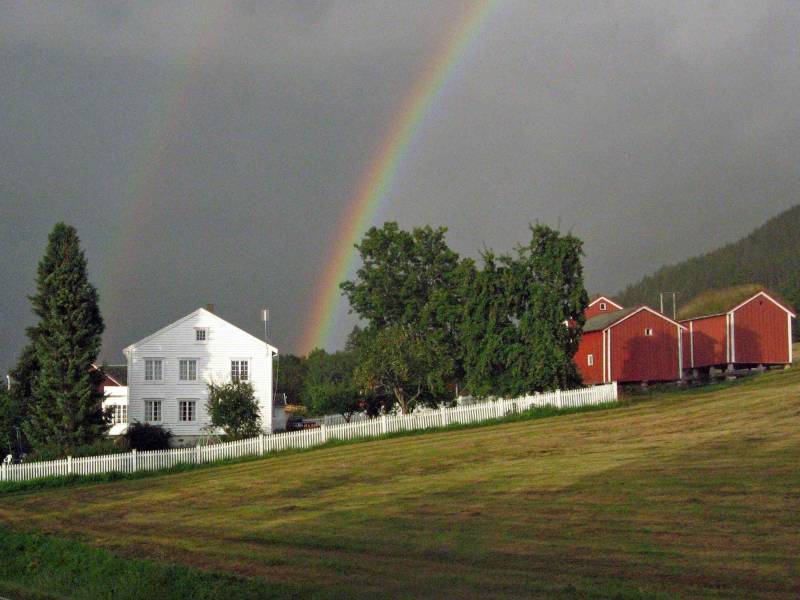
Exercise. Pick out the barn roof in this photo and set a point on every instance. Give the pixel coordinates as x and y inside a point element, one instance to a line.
<point>610,319</point>
<point>600,322</point>
<point>722,301</point>
<point>597,297</point>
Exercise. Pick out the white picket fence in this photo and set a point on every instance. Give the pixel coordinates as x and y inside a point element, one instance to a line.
<point>424,419</point>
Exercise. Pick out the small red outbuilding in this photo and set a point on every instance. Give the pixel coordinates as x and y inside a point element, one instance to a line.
<point>600,306</point>
<point>757,331</point>
<point>630,345</point>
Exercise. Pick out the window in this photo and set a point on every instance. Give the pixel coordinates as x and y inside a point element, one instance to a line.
<point>119,414</point>
<point>590,360</point>
<point>187,369</point>
<point>240,370</point>
<point>648,331</point>
<point>200,335</point>
<point>152,411</point>
<point>187,409</point>
<point>153,370</point>
<point>602,306</point>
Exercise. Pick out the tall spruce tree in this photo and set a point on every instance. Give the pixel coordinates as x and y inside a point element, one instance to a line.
<point>65,408</point>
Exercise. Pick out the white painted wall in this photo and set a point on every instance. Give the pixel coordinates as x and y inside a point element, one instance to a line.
<point>225,342</point>
<point>116,395</point>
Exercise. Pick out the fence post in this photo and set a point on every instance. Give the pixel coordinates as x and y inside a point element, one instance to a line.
<point>444,417</point>
<point>69,465</point>
<point>383,424</point>
<point>558,398</point>
<point>198,458</point>
<point>616,391</point>
<point>4,472</point>
<point>133,460</point>
<point>261,444</point>
<point>324,431</point>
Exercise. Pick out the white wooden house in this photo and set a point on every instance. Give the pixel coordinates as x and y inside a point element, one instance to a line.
<point>168,372</point>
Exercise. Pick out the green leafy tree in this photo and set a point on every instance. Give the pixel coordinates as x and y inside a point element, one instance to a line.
<point>402,367</point>
<point>411,281</point>
<point>291,372</point>
<point>233,407</point>
<point>329,386</point>
<point>515,334</point>
<point>66,407</point>
<point>21,392</point>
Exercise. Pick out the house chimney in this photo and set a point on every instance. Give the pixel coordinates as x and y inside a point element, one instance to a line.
<point>210,308</point>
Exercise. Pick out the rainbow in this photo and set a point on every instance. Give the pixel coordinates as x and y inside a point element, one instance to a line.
<point>378,176</point>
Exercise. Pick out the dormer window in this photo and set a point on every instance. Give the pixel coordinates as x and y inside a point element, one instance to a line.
<point>201,335</point>
<point>602,306</point>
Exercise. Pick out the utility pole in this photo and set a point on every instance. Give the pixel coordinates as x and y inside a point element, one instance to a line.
<point>267,382</point>
<point>674,303</point>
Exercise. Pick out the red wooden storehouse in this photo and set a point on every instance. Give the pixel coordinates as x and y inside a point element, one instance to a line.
<point>757,331</point>
<point>601,305</point>
<point>630,345</point>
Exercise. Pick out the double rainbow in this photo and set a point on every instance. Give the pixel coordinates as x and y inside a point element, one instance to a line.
<point>377,178</point>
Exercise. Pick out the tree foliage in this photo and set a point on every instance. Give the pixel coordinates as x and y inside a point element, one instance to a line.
<point>329,386</point>
<point>398,364</point>
<point>65,407</point>
<point>233,407</point>
<point>514,334</point>
<point>291,372</point>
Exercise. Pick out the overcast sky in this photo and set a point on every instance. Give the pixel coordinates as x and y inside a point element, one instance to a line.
<point>205,151</point>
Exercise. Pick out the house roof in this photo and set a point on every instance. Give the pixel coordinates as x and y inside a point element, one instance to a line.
<point>199,311</point>
<point>722,301</point>
<point>604,321</point>
<point>117,373</point>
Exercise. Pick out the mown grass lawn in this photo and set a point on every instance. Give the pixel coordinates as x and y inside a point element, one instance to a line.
<point>688,494</point>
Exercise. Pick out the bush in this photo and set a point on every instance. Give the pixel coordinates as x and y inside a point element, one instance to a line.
<point>97,448</point>
<point>233,407</point>
<point>146,436</point>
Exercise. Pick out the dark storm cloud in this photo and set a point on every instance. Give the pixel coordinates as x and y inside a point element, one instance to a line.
<point>205,151</point>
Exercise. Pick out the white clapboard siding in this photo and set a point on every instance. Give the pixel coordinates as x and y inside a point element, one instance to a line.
<point>225,342</point>
<point>424,419</point>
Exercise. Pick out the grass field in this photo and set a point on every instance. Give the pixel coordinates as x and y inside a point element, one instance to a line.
<point>687,494</point>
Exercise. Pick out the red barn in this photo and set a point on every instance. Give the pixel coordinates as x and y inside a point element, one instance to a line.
<point>757,331</point>
<point>630,345</point>
<point>601,305</point>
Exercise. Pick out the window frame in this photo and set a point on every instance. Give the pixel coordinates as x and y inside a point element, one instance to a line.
<point>240,361</point>
<point>180,372</point>
<point>648,332</point>
<point>186,403</point>
<point>590,360</point>
<point>199,330</point>
<point>154,359</point>
<point>151,402</point>
<point>603,306</point>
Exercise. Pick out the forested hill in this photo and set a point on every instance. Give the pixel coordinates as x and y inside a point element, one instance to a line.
<point>769,256</point>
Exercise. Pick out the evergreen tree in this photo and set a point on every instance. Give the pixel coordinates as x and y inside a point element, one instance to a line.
<point>66,406</point>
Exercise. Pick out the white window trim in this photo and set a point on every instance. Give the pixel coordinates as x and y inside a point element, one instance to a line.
<point>144,372</point>
<point>196,329</point>
<point>196,369</point>
<point>648,332</point>
<point>160,409</point>
<point>590,360</point>
<point>603,306</point>
<point>249,362</point>
<point>180,419</point>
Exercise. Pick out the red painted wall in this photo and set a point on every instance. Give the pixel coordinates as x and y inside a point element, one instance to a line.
<point>637,357</point>
<point>591,343</point>
<point>761,333</point>
<point>594,309</point>
<point>709,339</point>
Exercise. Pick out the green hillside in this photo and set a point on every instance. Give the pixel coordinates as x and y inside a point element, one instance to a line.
<point>769,256</point>
<point>690,494</point>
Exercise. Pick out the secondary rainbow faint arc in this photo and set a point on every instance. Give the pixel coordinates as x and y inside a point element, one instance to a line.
<point>377,177</point>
